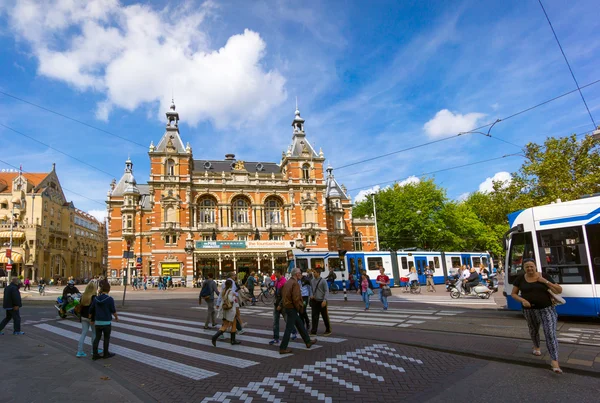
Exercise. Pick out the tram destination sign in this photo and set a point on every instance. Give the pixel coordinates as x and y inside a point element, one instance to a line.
<point>221,245</point>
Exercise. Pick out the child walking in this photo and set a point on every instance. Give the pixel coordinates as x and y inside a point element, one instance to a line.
<point>101,312</point>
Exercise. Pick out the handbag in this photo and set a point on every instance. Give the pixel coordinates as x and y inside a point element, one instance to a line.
<point>369,292</point>
<point>386,291</point>
<point>227,304</point>
<point>556,299</point>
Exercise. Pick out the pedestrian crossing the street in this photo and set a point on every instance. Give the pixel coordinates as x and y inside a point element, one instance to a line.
<point>355,315</point>
<point>182,347</point>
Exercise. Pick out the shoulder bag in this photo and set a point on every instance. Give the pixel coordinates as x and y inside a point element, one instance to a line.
<point>227,304</point>
<point>386,291</point>
<point>556,298</point>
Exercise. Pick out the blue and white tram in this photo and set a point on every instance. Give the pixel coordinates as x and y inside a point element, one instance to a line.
<point>564,240</point>
<point>397,264</point>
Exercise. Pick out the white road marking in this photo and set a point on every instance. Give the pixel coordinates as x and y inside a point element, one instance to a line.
<point>153,361</point>
<point>186,351</point>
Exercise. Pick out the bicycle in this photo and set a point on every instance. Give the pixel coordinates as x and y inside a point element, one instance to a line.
<point>333,288</point>
<point>266,294</point>
<point>42,289</point>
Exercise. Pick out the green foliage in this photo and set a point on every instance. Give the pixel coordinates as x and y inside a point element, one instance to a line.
<point>420,215</point>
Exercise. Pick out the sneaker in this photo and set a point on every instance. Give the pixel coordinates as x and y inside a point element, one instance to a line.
<point>241,331</point>
<point>80,354</point>
<point>100,351</point>
<point>18,333</point>
<point>274,342</point>
<point>326,334</point>
<point>108,355</point>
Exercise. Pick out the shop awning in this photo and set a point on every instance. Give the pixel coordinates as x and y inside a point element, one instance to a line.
<point>15,234</point>
<point>16,257</point>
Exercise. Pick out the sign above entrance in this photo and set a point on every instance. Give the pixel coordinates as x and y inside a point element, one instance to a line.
<point>221,245</point>
<point>270,244</point>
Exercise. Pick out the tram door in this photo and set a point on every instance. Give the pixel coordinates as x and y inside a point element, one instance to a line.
<point>420,263</point>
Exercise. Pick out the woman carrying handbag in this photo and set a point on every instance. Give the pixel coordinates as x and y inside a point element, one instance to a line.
<point>536,295</point>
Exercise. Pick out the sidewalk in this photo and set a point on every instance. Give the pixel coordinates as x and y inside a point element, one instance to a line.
<point>39,372</point>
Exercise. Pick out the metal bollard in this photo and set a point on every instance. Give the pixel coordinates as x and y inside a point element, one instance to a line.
<point>344,286</point>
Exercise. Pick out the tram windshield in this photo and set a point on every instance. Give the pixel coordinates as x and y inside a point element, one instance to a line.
<point>521,247</point>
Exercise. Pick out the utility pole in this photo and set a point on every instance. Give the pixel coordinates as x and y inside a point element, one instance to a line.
<point>376,230</point>
<point>125,272</point>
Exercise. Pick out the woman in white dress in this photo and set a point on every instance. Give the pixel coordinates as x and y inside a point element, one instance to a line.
<point>227,311</point>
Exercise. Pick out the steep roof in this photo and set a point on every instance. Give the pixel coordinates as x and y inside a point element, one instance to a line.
<point>6,179</point>
<point>201,166</point>
<point>333,189</point>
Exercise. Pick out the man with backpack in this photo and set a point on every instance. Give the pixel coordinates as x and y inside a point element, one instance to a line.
<point>207,293</point>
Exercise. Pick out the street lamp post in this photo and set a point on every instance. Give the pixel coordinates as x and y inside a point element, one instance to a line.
<point>375,216</point>
<point>12,225</point>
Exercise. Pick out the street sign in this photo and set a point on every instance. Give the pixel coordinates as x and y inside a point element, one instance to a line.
<point>9,266</point>
<point>139,265</point>
<point>139,259</point>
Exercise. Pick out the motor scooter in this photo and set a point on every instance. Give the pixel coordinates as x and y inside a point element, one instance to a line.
<point>480,290</point>
<point>70,309</point>
<point>492,282</point>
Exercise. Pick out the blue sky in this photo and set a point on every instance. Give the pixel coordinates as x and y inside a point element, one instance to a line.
<point>370,78</point>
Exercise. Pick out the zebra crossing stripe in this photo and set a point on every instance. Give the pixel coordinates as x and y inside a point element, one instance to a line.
<point>191,339</point>
<point>153,361</point>
<point>247,330</point>
<point>186,351</point>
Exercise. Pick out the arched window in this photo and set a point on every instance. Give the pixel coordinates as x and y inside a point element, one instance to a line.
<point>170,167</point>
<point>240,211</point>
<point>306,172</point>
<point>273,211</point>
<point>207,208</point>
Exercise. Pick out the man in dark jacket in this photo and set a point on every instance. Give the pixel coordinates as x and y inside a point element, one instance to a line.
<point>472,280</point>
<point>11,304</point>
<point>293,305</point>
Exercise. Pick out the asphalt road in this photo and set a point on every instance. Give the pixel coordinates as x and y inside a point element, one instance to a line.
<point>163,354</point>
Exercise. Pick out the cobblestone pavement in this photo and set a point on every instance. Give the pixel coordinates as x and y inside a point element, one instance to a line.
<point>155,351</point>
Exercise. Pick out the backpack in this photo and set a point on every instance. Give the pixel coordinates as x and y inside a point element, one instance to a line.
<point>227,304</point>
<point>205,291</point>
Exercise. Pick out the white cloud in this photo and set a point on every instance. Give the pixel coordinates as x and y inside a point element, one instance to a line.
<point>100,215</point>
<point>463,196</point>
<point>487,185</point>
<point>363,194</point>
<point>136,55</point>
<point>446,123</point>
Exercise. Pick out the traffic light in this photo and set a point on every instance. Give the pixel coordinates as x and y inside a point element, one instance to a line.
<point>342,253</point>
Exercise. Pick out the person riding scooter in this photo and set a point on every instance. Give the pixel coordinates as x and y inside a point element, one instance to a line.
<point>472,280</point>
<point>69,289</point>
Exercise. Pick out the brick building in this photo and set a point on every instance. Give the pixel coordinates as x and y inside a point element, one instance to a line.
<point>195,215</point>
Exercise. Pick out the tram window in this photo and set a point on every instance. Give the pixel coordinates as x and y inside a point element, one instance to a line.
<point>455,262</point>
<point>317,264</point>
<point>302,264</point>
<point>360,265</point>
<point>352,268</point>
<point>334,263</point>
<point>484,261</point>
<point>563,255</point>
<point>593,237</point>
<point>476,262</point>
<point>521,247</point>
<point>374,263</point>
<point>411,265</point>
<point>404,263</point>
<point>431,266</point>
<point>436,262</point>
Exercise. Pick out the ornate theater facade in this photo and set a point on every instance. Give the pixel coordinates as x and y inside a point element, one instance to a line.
<point>195,216</point>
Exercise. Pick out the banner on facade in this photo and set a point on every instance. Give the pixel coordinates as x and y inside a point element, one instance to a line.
<point>269,244</point>
<point>221,245</point>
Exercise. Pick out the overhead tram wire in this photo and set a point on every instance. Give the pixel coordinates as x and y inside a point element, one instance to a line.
<point>62,187</point>
<point>72,119</point>
<point>57,150</point>
<point>437,171</point>
<point>568,64</point>
<point>475,129</point>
